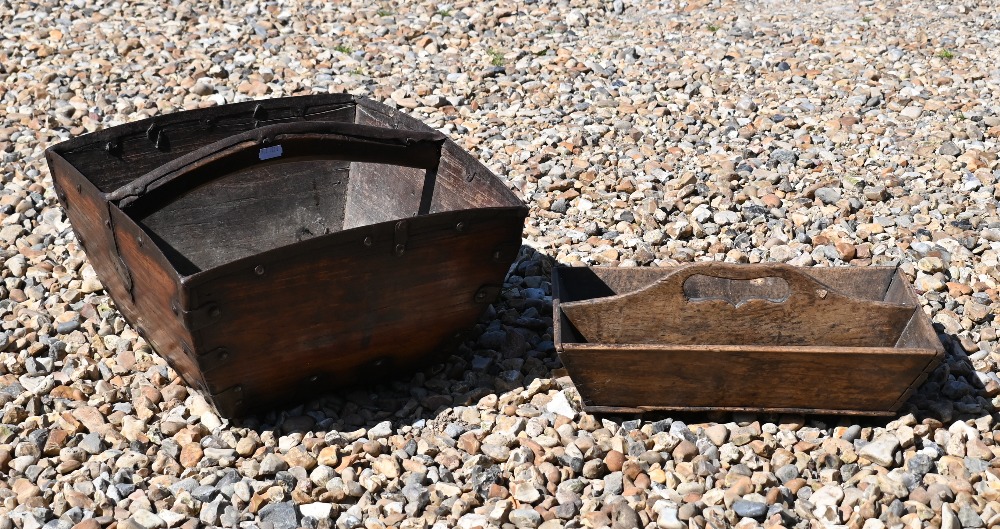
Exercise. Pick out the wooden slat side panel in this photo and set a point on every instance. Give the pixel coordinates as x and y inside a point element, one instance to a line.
<point>134,147</point>
<point>156,294</point>
<point>862,283</point>
<point>347,311</point>
<point>378,115</point>
<point>900,290</point>
<point>379,193</point>
<point>87,211</point>
<point>454,189</point>
<point>251,211</point>
<point>763,380</point>
<point>463,182</point>
<point>806,313</point>
<point>919,333</point>
<point>870,282</point>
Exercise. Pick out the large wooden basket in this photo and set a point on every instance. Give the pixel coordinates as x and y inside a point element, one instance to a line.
<point>288,246</point>
<point>717,336</point>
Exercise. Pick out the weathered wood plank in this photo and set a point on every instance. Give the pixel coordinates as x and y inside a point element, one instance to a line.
<point>787,307</point>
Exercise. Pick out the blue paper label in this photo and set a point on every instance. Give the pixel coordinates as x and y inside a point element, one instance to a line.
<point>274,151</point>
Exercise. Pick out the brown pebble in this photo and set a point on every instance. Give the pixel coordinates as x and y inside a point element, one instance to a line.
<point>691,497</point>
<point>55,442</point>
<point>498,491</point>
<point>596,519</point>
<point>771,200</point>
<point>685,451</point>
<point>773,495</point>
<point>468,443</point>
<point>246,446</point>
<point>795,484</point>
<point>190,455</point>
<point>631,469</point>
<point>614,461</point>
<point>846,250</point>
<point>67,392</point>
<point>327,456</point>
<point>956,290</point>
<point>25,490</point>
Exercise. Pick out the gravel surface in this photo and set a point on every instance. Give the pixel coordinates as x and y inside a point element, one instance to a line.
<point>825,133</point>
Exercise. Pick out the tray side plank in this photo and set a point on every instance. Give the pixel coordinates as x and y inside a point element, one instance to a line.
<point>758,378</point>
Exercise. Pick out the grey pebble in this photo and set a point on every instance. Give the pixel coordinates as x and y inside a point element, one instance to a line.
<point>525,518</point>
<point>284,515</point>
<point>750,509</point>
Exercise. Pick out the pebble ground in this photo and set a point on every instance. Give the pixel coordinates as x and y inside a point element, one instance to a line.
<point>827,133</point>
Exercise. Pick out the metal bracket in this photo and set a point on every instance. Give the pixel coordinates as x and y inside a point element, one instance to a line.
<point>229,401</point>
<point>399,242</point>
<point>214,359</point>
<point>124,274</point>
<point>506,252</point>
<point>201,317</point>
<point>114,147</point>
<point>487,294</point>
<point>156,135</point>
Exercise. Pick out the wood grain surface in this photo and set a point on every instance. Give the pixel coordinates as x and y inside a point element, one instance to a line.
<point>802,311</point>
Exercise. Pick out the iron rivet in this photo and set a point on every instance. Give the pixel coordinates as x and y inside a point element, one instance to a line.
<point>239,403</point>
<point>368,241</point>
<point>313,378</point>
<point>238,389</point>
<point>215,312</point>
<point>140,240</point>
<point>496,255</point>
<point>224,356</point>
<point>460,226</point>
<point>480,296</point>
<point>470,177</point>
<point>400,249</point>
<point>259,270</point>
<point>378,363</point>
<point>79,188</point>
<point>107,224</point>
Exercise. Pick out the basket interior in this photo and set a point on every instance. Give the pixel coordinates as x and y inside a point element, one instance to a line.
<point>257,209</point>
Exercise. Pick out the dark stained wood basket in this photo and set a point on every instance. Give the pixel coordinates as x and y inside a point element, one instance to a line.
<point>289,246</point>
<point>767,337</point>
